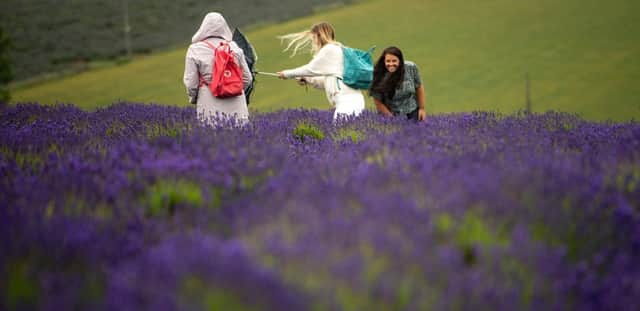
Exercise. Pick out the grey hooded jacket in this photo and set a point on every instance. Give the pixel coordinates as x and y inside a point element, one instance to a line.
<point>199,61</point>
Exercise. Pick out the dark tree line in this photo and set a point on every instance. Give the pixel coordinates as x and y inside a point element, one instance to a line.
<point>49,36</point>
<point>5,68</point>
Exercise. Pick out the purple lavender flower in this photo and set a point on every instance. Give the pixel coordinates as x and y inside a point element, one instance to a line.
<point>140,207</point>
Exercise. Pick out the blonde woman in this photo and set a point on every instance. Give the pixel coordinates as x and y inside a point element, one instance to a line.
<point>324,71</point>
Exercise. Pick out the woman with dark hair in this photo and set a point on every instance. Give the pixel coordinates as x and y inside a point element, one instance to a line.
<point>396,87</point>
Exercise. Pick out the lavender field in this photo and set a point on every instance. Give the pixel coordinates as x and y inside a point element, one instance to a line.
<point>137,207</point>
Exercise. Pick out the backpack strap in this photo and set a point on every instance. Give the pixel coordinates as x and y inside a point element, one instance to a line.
<point>202,80</point>
<point>371,49</point>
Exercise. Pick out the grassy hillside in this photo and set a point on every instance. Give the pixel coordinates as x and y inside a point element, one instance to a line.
<point>581,56</point>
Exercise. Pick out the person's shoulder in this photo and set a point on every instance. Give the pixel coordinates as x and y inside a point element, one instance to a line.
<point>198,44</point>
<point>410,64</point>
<point>332,46</point>
<point>193,47</point>
<point>411,67</point>
<point>235,47</point>
<point>330,50</point>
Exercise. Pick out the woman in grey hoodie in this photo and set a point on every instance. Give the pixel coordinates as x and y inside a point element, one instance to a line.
<point>199,64</point>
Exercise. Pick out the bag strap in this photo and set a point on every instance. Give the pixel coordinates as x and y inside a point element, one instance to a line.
<point>371,49</point>
<point>223,44</point>
<point>209,44</point>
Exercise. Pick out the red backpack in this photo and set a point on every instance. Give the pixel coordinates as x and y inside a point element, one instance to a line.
<point>226,76</point>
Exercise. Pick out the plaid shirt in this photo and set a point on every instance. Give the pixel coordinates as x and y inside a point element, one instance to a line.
<point>405,100</point>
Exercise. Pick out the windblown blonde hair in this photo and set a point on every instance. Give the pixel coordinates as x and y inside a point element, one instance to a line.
<point>304,39</point>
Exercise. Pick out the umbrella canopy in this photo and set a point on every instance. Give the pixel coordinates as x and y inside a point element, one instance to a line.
<point>249,55</point>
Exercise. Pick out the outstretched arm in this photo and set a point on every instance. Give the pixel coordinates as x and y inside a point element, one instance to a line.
<point>322,64</point>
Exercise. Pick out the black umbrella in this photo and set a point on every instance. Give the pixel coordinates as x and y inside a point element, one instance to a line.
<point>249,55</point>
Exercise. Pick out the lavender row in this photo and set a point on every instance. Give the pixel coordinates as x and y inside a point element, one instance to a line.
<point>139,207</point>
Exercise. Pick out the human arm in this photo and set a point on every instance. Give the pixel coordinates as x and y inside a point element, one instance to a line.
<point>422,114</point>
<point>325,63</point>
<point>414,74</point>
<point>378,102</point>
<point>382,108</point>
<point>247,77</point>
<point>316,82</point>
<point>191,77</point>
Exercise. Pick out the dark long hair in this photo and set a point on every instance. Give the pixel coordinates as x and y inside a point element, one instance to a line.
<point>382,81</point>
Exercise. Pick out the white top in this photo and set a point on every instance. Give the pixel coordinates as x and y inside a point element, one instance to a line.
<point>324,71</point>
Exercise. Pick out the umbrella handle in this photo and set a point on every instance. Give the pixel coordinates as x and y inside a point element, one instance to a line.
<point>266,73</point>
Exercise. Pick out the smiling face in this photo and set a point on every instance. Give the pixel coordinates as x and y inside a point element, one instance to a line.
<point>391,62</point>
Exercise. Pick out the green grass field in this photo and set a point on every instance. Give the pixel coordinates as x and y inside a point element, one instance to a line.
<point>581,56</point>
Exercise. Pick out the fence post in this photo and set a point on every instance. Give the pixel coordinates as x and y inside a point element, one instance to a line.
<point>127,28</point>
<point>527,94</point>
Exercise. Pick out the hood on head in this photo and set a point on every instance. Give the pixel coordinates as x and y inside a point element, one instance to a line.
<point>213,25</point>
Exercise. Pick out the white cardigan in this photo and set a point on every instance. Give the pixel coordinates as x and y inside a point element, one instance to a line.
<point>324,71</point>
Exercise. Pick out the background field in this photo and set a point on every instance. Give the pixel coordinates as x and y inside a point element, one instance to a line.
<point>52,36</point>
<point>581,56</point>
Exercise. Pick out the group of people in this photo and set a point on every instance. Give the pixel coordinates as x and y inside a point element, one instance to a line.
<point>396,88</point>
